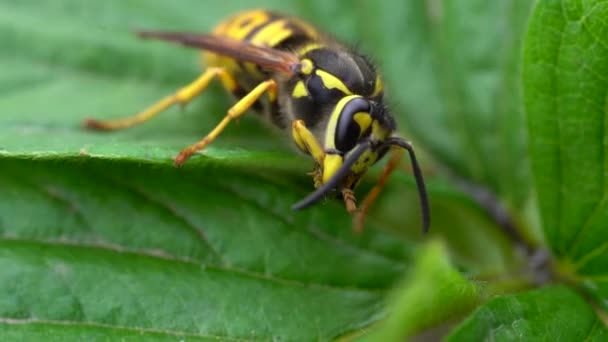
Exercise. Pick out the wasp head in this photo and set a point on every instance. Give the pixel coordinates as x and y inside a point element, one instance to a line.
<point>338,95</point>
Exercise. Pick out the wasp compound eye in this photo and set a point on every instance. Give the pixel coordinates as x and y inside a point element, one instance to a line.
<point>353,122</point>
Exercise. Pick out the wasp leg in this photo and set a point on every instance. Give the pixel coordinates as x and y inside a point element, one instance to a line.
<point>306,141</point>
<point>182,96</point>
<point>236,111</point>
<point>349,200</point>
<point>372,195</point>
<point>308,144</point>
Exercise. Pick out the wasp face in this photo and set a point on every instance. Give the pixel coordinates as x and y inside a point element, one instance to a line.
<point>338,94</point>
<point>355,120</point>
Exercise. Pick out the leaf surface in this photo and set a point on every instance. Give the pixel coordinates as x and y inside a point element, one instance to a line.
<point>565,91</point>
<point>553,313</point>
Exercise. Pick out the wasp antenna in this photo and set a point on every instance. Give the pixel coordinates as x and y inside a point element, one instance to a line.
<point>335,180</point>
<point>424,201</point>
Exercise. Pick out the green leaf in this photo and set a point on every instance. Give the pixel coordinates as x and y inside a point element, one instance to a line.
<point>549,314</point>
<point>432,293</point>
<point>102,238</point>
<point>133,246</point>
<point>565,92</point>
<point>60,332</point>
<point>85,62</point>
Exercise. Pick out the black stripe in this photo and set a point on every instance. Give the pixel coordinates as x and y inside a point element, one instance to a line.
<point>252,33</point>
<point>258,28</point>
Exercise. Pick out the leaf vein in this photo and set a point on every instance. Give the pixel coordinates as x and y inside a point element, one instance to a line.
<point>600,205</point>
<point>13,321</point>
<point>592,329</point>
<point>558,127</point>
<point>199,231</point>
<point>186,261</point>
<point>67,284</point>
<point>340,243</point>
<point>56,195</point>
<point>583,21</point>
<point>591,255</point>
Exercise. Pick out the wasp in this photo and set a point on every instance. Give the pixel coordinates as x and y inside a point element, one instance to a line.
<point>326,94</point>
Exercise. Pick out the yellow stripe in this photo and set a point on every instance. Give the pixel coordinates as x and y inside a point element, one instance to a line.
<point>306,66</point>
<point>367,159</point>
<point>299,90</point>
<point>379,131</point>
<point>331,164</point>
<point>307,48</point>
<point>364,120</point>
<point>332,82</point>
<point>272,34</point>
<point>269,35</point>
<point>241,25</point>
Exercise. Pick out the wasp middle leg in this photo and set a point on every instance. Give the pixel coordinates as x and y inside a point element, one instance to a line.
<point>236,111</point>
<point>308,144</point>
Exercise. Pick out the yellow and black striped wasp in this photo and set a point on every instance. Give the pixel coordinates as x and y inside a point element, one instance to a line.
<point>298,78</point>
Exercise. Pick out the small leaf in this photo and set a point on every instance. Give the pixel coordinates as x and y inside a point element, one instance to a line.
<point>550,314</point>
<point>432,293</point>
<point>565,90</point>
<point>139,246</point>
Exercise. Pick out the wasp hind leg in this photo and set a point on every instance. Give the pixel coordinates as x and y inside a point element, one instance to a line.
<point>235,112</point>
<point>372,195</point>
<point>182,97</point>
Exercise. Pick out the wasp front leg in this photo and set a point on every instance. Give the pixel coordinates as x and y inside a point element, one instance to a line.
<point>235,112</point>
<point>306,141</point>
<point>308,144</point>
<point>183,96</point>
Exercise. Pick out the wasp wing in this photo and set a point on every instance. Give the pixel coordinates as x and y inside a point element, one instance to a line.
<point>263,56</point>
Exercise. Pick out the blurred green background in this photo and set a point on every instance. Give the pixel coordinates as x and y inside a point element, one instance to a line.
<point>102,238</point>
